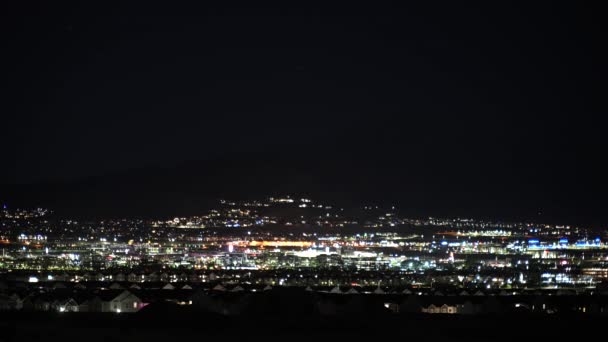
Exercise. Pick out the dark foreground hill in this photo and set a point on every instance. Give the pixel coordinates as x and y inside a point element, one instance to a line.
<point>185,325</point>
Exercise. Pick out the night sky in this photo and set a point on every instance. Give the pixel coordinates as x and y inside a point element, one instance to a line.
<point>489,109</point>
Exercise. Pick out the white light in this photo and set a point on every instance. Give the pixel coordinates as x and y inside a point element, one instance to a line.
<point>33,280</point>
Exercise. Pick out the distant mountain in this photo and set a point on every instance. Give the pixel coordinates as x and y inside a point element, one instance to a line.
<point>418,186</point>
<point>192,187</point>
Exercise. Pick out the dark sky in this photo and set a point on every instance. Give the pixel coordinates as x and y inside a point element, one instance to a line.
<point>475,103</point>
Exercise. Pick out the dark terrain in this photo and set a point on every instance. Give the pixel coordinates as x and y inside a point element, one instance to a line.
<point>177,326</point>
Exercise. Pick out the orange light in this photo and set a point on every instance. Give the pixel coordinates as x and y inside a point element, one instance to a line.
<point>263,243</point>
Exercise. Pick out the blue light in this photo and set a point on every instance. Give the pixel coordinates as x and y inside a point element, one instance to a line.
<point>597,239</point>
<point>533,241</point>
<point>563,240</point>
<point>444,243</point>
